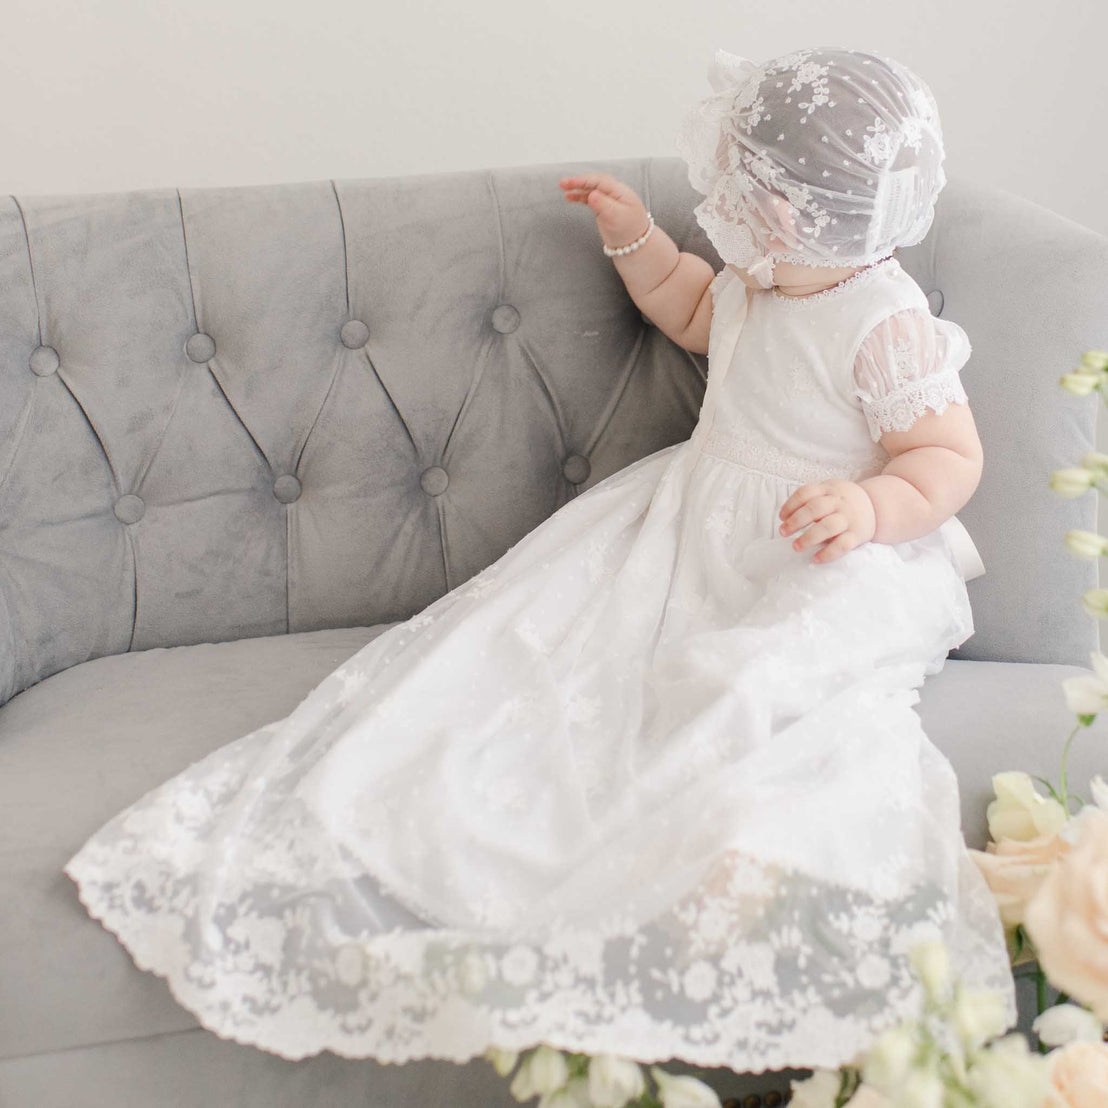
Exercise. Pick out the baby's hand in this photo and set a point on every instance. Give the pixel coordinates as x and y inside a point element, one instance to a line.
<point>844,515</point>
<point>620,214</point>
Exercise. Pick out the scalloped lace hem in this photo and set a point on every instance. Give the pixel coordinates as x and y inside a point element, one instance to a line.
<point>728,977</point>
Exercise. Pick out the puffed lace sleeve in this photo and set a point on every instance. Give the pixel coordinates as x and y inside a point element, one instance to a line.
<point>908,363</point>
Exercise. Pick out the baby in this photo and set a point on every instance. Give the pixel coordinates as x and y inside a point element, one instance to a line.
<point>935,464</point>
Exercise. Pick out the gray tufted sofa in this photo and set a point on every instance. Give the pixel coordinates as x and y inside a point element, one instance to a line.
<point>243,430</point>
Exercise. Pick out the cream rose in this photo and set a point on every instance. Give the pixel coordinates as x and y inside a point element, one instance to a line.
<point>1078,1076</point>
<point>1014,870</point>
<point>1067,918</point>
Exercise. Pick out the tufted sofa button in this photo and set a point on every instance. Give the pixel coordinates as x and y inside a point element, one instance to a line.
<point>576,468</point>
<point>434,480</point>
<point>505,319</point>
<point>935,302</point>
<point>200,347</point>
<point>355,334</point>
<point>129,508</point>
<point>44,360</point>
<point>773,1099</point>
<point>287,488</point>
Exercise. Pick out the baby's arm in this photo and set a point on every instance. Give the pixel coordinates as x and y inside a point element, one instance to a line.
<point>933,470</point>
<point>906,375</point>
<point>669,286</point>
<point>906,381</point>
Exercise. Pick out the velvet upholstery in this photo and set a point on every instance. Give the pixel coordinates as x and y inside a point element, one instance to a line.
<point>242,430</point>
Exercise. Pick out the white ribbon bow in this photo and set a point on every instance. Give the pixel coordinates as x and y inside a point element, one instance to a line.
<point>762,272</point>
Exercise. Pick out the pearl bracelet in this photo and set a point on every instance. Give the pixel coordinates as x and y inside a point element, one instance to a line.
<point>612,251</point>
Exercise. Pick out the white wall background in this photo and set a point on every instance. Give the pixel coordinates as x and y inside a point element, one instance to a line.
<point>106,95</point>
<point>103,95</point>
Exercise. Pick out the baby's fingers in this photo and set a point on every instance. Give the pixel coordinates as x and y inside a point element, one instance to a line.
<point>799,496</point>
<point>837,547</point>
<point>826,528</point>
<point>603,183</point>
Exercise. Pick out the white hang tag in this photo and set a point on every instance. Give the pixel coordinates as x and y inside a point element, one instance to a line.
<point>893,204</point>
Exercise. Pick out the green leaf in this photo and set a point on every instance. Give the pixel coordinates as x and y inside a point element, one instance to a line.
<point>1087,720</point>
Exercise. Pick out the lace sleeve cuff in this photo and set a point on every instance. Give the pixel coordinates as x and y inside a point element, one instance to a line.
<point>908,363</point>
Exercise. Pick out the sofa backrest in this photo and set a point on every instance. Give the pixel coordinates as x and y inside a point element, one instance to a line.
<point>231,412</point>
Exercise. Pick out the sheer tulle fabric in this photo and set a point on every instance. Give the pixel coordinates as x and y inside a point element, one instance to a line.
<point>649,784</point>
<point>908,363</point>
<point>820,157</point>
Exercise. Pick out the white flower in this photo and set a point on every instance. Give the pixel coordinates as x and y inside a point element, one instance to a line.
<point>1095,359</point>
<point>1071,482</point>
<point>1019,812</point>
<point>1088,694</point>
<point>683,1091</point>
<point>979,1015</point>
<point>1007,1075</point>
<point>613,1081</point>
<point>549,1069</point>
<point>1099,789</point>
<point>502,1060</point>
<point>544,1070</point>
<point>932,965</point>
<point>521,1087</point>
<point>817,1091</point>
<point>575,1094</point>
<point>1098,463</point>
<point>1067,1023</point>
<point>1086,544</point>
<point>921,1089</point>
<point>890,1058</point>
<point>1095,602</point>
<point>867,1097</point>
<point>1080,382</point>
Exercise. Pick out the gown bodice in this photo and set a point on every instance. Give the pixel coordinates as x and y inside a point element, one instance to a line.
<point>781,397</point>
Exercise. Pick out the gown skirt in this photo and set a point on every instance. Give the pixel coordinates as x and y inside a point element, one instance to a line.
<point>649,784</point>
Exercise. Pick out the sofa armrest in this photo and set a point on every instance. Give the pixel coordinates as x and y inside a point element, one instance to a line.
<point>9,661</point>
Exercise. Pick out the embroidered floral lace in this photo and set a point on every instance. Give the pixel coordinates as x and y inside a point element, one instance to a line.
<point>819,157</point>
<point>757,913</point>
<point>908,363</point>
<point>650,784</point>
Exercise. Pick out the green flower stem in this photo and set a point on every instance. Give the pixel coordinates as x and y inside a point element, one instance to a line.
<point>849,1080</point>
<point>1050,788</point>
<point>1040,989</point>
<point>1065,755</point>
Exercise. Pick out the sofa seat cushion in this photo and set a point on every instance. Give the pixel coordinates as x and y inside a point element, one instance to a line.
<point>85,743</point>
<point>80,746</point>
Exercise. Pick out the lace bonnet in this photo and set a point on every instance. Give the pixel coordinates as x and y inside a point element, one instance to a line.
<point>822,157</point>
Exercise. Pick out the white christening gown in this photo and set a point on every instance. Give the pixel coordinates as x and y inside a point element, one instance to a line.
<point>651,783</point>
